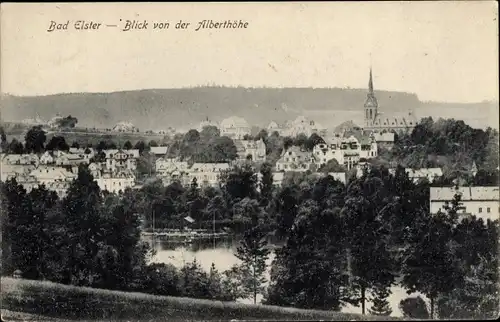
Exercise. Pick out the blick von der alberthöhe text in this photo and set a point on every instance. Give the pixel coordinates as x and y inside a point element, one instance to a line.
<point>129,25</point>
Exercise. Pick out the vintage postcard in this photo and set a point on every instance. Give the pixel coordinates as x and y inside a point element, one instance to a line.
<point>249,161</point>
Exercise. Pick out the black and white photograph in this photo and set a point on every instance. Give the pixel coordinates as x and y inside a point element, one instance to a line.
<point>233,161</point>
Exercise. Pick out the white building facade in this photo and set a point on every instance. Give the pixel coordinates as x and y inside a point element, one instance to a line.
<point>482,202</point>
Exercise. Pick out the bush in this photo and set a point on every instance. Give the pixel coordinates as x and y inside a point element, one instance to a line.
<point>414,307</point>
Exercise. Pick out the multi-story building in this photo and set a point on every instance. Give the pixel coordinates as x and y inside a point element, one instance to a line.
<point>274,127</point>
<point>118,160</point>
<point>206,174</point>
<point>9,171</point>
<point>277,178</point>
<point>416,175</point>
<point>205,123</point>
<point>84,153</point>
<point>20,159</point>
<point>69,159</point>
<point>54,178</point>
<point>96,169</point>
<point>117,182</point>
<point>166,166</point>
<point>301,125</point>
<point>384,140</point>
<point>295,159</point>
<point>47,158</point>
<point>482,202</point>
<point>346,150</point>
<point>251,150</point>
<point>125,127</point>
<point>159,151</point>
<point>235,127</point>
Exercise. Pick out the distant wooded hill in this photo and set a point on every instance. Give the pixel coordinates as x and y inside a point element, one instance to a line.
<point>184,108</point>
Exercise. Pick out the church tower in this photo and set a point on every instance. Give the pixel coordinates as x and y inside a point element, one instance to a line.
<point>371,104</point>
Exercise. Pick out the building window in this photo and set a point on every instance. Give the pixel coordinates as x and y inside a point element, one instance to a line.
<point>488,210</point>
<point>480,210</point>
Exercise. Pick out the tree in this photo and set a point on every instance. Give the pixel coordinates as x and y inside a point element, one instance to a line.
<point>160,279</point>
<point>239,182</point>
<point>141,146</point>
<point>67,122</point>
<point>209,132</point>
<point>310,270</point>
<point>152,143</point>
<point>430,264</point>
<point>218,149</point>
<point>101,146</point>
<point>127,145</point>
<point>300,140</point>
<point>262,135</point>
<point>3,139</point>
<point>414,308</point>
<point>380,304</point>
<point>312,141</point>
<point>332,166</point>
<point>14,211</point>
<point>35,139</point>
<point>15,147</point>
<point>253,254</point>
<point>367,241</point>
<point>57,143</point>
<point>85,230</point>
<point>266,184</point>
<point>247,213</point>
<point>75,145</point>
<point>121,253</point>
<point>194,281</point>
<point>478,298</point>
<point>28,231</point>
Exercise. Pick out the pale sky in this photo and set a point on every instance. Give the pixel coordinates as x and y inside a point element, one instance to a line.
<point>444,51</point>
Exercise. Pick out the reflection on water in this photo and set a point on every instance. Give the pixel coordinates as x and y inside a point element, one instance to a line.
<point>222,255</point>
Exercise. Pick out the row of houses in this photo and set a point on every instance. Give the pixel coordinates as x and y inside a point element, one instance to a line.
<point>115,159</point>
<point>57,169</point>
<point>347,151</point>
<point>236,127</point>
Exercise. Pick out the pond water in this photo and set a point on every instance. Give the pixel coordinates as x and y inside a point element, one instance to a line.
<point>222,255</point>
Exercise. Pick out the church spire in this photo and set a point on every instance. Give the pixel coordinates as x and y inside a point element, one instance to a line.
<point>370,83</point>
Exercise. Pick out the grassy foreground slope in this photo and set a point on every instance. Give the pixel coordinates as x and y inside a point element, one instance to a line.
<point>70,302</point>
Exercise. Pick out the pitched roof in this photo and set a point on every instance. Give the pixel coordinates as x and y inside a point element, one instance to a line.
<point>134,152</point>
<point>54,173</point>
<point>467,193</point>
<point>420,173</point>
<point>384,137</point>
<point>209,167</point>
<point>159,150</point>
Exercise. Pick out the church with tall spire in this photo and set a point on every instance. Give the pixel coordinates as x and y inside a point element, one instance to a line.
<point>376,121</point>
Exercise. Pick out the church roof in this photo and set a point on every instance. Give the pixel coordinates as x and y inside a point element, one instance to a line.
<point>395,120</point>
